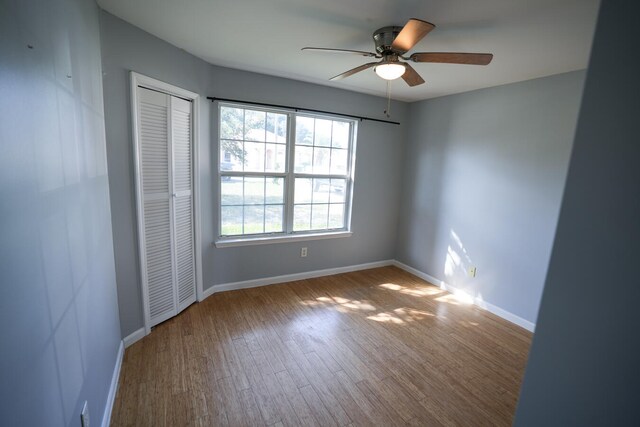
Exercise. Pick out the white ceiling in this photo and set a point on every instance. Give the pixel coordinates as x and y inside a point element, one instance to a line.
<point>529,38</point>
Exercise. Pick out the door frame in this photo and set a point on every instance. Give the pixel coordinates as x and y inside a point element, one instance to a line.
<point>136,80</point>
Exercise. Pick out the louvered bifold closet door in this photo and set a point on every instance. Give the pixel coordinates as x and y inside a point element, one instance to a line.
<point>154,163</point>
<point>181,124</point>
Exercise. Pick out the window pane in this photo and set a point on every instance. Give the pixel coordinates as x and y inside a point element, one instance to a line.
<point>255,141</point>
<point>254,125</point>
<point>303,190</point>
<point>276,156</point>
<point>277,128</point>
<point>301,217</point>
<point>304,130</point>
<point>253,219</point>
<point>321,160</point>
<point>273,218</point>
<point>338,188</point>
<point>253,191</point>
<point>231,155</point>
<point>274,190</point>
<point>323,133</point>
<point>231,190</point>
<point>254,156</point>
<point>231,220</point>
<point>304,157</point>
<point>231,122</point>
<point>340,135</point>
<point>321,189</point>
<point>339,160</point>
<point>319,216</point>
<point>336,215</point>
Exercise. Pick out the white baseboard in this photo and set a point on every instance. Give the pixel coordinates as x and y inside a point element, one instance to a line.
<point>506,315</point>
<point>113,388</point>
<point>133,337</point>
<point>420,274</point>
<point>292,277</point>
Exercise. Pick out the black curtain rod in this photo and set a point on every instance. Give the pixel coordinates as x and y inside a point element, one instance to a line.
<point>297,109</point>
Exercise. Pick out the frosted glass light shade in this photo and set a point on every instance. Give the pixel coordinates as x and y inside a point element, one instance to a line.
<point>390,71</point>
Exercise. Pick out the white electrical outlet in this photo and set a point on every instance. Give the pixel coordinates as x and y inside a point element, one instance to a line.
<point>303,252</point>
<point>84,415</point>
<point>472,271</point>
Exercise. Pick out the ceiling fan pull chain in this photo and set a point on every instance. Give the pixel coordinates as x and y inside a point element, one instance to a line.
<point>388,110</point>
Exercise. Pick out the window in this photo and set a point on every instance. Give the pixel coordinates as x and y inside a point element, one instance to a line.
<point>283,174</point>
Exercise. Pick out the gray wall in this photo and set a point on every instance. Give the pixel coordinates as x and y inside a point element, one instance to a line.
<point>583,366</point>
<point>484,173</point>
<point>58,307</point>
<point>377,180</point>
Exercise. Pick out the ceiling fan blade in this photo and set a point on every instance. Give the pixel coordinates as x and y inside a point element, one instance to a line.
<point>329,50</point>
<point>354,70</point>
<point>411,76</point>
<point>412,33</point>
<point>452,58</point>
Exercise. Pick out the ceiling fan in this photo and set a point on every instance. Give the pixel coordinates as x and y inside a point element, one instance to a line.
<point>392,43</point>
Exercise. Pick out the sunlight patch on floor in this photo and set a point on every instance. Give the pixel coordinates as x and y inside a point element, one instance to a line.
<point>396,316</point>
<point>458,298</point>
<point>418,291</point>
<point>340,302</point>
<point>401,315</point>
<point>386,318</point>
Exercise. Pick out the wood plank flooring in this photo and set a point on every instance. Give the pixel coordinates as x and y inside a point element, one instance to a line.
<point>374,347</point>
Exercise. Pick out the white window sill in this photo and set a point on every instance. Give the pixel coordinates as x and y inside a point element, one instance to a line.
<point>228,243</point>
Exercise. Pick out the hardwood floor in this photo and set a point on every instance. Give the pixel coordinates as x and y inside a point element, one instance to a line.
<point>375,347</point>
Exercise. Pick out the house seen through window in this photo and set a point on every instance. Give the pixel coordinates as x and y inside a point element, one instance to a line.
<point>283,173</point>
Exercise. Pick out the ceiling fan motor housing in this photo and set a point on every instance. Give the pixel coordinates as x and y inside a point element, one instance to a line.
<point>384,37</point>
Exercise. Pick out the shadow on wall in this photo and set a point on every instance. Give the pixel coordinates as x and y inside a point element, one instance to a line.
<point>426,162</point>
<point>63,260</point>
<point>57,298</point>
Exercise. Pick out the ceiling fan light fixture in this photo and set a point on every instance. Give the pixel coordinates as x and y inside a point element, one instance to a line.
<point>390,71</point>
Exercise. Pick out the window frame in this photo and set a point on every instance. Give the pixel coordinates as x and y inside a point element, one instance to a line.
<point>289,176</point>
